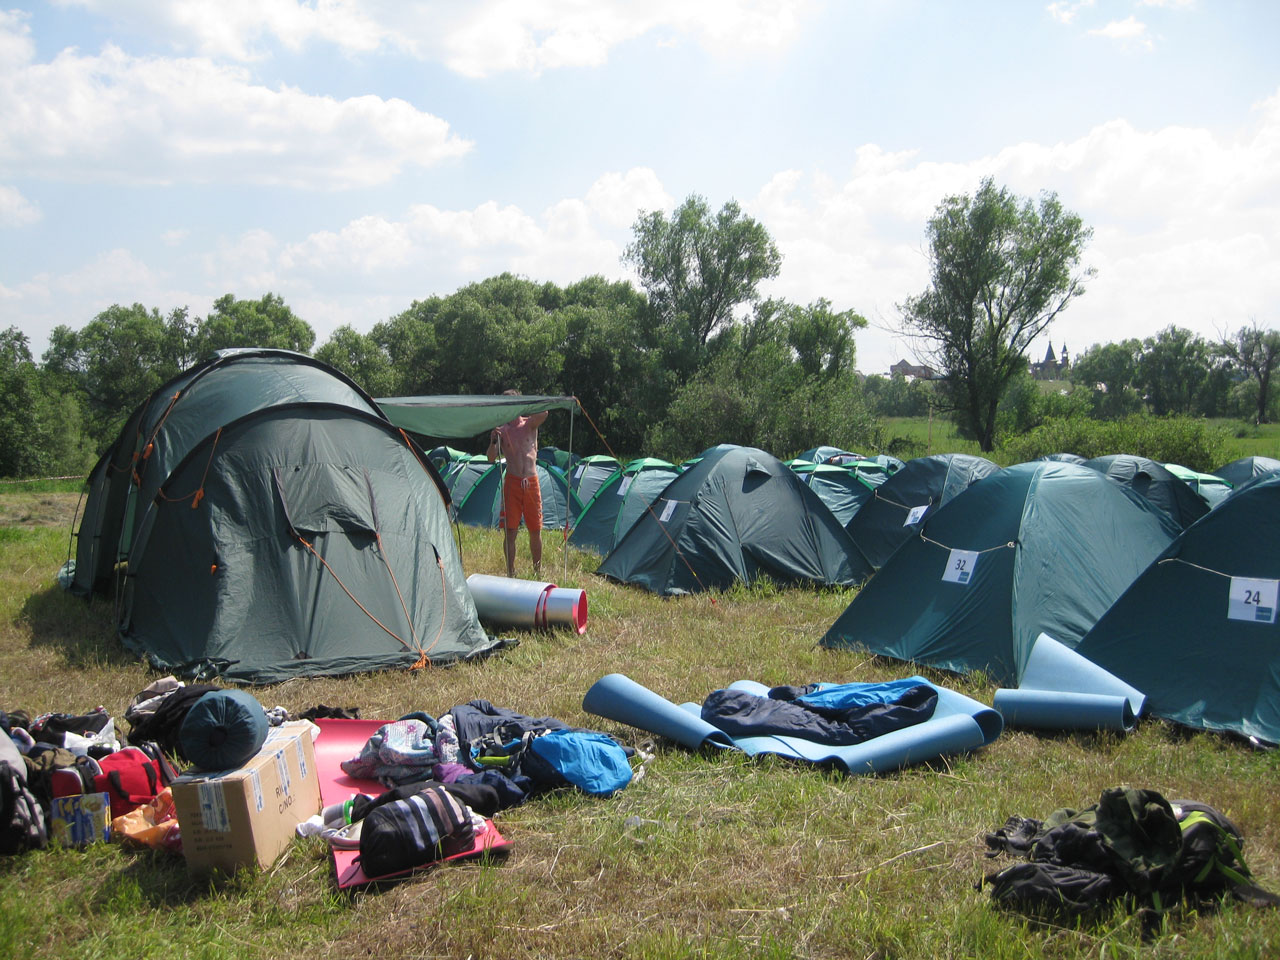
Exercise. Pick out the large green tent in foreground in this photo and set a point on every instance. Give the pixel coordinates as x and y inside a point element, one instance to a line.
<point>738,514</point>
<point>1197,632</point>
<point>1039,547</point>
<point>275,525</point>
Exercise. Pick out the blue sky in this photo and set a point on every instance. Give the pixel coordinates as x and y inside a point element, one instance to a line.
<point>355,156</point>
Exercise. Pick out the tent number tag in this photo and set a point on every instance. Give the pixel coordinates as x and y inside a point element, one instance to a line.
<point>915,515</point>
<point>622,487</point>
<point>1253,600</point>
<point>960,566</point>
<point>667,511</point>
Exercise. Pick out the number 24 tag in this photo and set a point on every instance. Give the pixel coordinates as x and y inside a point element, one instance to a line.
<point>1253,600</point>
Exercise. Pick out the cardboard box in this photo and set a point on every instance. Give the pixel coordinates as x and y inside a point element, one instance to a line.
<point>234,817</point>
<point>81,819</point>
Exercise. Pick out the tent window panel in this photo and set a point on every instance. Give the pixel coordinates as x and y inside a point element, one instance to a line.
<point>325,498</point>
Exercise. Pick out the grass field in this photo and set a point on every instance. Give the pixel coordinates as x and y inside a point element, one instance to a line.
<point>705,856</point>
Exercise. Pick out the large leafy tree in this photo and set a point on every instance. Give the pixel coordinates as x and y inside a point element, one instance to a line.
<point>1002,268</point>
<point>1255,352</point>
<point>698,268</point>
<point>267,322</point>
<point>1110,370</point>
<point>117,359</point>
<point>1174,372</point>
<point>359,356</point>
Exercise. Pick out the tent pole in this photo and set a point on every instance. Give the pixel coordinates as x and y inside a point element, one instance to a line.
<point>568,504</point>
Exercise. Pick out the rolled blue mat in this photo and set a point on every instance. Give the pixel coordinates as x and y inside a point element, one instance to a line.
<point>618,697</point>
<point>1061,690</point>
<point>1059,710</point>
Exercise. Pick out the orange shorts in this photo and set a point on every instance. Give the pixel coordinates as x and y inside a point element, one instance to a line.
<point>521,499</point>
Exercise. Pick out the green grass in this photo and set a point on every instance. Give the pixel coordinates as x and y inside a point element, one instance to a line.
<point>1249,440</point>
<point>704,856</point>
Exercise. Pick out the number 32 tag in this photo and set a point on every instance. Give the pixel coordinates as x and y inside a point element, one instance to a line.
<point>960,566</point>
<point>1253,600</point>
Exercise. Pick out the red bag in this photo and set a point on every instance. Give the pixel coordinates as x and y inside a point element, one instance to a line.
<point>130,777</point>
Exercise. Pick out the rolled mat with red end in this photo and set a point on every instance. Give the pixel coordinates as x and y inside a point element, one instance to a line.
<point>527,604</point>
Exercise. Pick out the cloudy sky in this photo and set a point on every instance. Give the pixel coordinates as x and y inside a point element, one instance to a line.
<point>355,155</point>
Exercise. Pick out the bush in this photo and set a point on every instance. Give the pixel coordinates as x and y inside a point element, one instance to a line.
<point>1188,441</point>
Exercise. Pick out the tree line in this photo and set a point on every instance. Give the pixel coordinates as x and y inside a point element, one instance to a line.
<point>693,356</point>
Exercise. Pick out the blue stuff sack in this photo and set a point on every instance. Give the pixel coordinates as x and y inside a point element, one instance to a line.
<point>223,729</point>
<point>592,762</point>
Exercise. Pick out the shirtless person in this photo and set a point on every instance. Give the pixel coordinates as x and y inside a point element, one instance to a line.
<point>517,440</point>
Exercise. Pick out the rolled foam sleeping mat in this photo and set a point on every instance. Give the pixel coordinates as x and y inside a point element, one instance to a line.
<point>618,697</point>
<point>958,724</point>
<point>223,729</point>
<point>507,602</point>
<point>527,604</point>
<point>1061,690</point>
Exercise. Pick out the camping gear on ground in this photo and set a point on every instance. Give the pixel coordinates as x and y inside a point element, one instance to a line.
<point>1040,547</point>
<point>160,720</point>
<point>619,502</point>
<point>1153,481</point>
<point>1061,690</point>
<point>340,739</point>
<point>223,729</point>
<point>898,506</point>
<point>152,826</point>
<point>527,604</point>
<point>594,763</point>
<point>130,777</point>
<point>413,832</point>
<point>1133,846</point>
<point>233,818</point>
<point>1241,471</point>
<point>1197,631</point>
<point>275,524</point>
<point>958,724</point>
<point>736,516</point>
<point>22,821</point>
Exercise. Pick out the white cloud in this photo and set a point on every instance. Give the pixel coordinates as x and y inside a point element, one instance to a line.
<point>1130,30</point>
<point>1179,4</point>
<point>1065,12</point>
<point>118,118</point>
<point>15,209</point>
<point>618,198</point>
<point>477,38</point>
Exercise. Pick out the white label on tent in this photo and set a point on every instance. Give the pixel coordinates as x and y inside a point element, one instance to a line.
<point>577,474</point>
<point>255,784</point>
<point>667,511</point>
<point>1253,600</point>
<point>622,487</point>
<point>960,566</point>
<point>213,807</point>
<point>916,515</point>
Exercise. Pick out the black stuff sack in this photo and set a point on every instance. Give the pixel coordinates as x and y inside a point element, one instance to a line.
<point>414,832</point>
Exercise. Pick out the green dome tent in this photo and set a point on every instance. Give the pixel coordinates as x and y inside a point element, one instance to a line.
<point>736,515</point>
<point>589,473</point>
<point>319,545</point>
<point>275,525</point>
<point>1241,471</point>
<point>1208,486</point>
<point>892,515</point>
<point>1039,547</point>
<point>620,502</point>
<point>1156,483</point>
<point>844,489</point>
<point>1197,632</point>
<point>179,414</point>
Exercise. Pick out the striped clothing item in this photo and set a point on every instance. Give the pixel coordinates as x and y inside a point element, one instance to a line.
<point>410,833</point>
